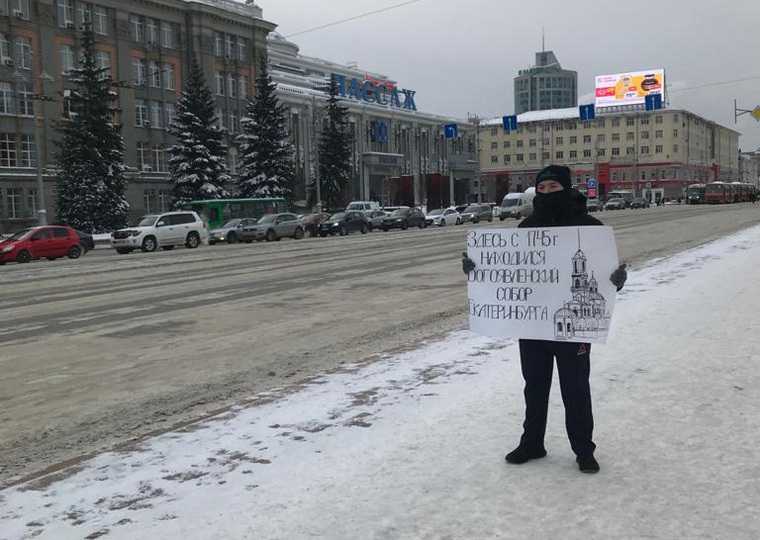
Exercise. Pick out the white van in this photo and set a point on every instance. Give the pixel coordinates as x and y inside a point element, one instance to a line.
<point>362,206</point>
<point>517,205</point>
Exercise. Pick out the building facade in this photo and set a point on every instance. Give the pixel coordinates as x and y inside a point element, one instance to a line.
<point>400,155</point>
<point>545,85</point>
<point>148,46</point>
<point>749,165</point>
<point>666,150</point>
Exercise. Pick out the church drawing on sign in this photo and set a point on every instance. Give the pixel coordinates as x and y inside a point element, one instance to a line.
<point>585,315</point>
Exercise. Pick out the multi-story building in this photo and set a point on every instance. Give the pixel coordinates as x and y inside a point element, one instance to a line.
<point>666,150</point>
<point>749,165</point>
<point>400,155</point>
<point>545,86</point>
<point>147,45</point>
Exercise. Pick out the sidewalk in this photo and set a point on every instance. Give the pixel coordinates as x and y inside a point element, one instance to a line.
<point>412,446</point>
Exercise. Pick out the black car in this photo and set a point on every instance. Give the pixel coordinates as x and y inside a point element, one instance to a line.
<point>477,213</point>
<point>86,241</point>
<point>593,205</point>
<point>639,203</point>
<point>403,218</point>
<point>344,223</point>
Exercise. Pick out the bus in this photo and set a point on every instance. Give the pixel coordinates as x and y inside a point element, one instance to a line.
<point>695,194</point>
<point>217,212</point>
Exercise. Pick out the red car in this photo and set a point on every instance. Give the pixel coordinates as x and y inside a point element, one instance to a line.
<point>41,242</point>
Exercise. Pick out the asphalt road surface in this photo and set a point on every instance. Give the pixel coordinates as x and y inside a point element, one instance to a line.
<point>108,348</point>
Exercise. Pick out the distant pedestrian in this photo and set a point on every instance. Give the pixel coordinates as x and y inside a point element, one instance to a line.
<point>556,204</point>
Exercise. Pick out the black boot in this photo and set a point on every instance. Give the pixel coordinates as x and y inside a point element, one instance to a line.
<point>587,464</point>
<point>520,455</point>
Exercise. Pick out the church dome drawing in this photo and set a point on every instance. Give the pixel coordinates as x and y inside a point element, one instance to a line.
<point>585,314</point>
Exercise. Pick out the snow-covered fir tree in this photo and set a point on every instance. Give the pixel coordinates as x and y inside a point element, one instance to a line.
<point>198,161</point>
<point>335,152</point>
<point>266,154</point>
<point>90,156</point>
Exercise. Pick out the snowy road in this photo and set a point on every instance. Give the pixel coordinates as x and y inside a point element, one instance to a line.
<point>411,446</point>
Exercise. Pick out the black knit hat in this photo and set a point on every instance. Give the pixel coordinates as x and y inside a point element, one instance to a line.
<point>558,173</point>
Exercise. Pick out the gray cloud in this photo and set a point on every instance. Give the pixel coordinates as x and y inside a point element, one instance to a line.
<point>461,56</point>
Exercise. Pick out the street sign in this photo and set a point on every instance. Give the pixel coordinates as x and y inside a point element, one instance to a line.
<point>653,102</point>
<point>509,123</point>
<point>756,113</point>
<point>587,112</point>
<point>451,131</point>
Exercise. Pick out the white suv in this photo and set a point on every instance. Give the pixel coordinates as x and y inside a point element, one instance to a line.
<point>162,230</point>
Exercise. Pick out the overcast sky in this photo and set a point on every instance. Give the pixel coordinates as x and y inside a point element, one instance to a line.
<point>461,55</point>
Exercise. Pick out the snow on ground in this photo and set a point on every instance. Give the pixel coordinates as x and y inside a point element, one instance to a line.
<point>412,446</point>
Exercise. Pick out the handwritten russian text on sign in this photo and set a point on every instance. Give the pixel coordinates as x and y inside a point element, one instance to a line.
<point>551,283</point>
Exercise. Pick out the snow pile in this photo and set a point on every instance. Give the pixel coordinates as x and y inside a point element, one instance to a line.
<point>412,446</point>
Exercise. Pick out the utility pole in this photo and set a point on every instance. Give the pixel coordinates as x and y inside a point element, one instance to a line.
<point>315,143</point>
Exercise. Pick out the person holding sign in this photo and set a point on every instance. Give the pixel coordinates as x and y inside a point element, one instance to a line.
<point>556,204</point>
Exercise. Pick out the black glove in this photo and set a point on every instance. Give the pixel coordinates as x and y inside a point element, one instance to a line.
<point>468,265</point>
<point>619,276</point>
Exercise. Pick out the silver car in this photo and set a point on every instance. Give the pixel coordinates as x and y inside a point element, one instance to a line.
<point>375,218</point>
<point>230,231</point>
<point>273,227</point>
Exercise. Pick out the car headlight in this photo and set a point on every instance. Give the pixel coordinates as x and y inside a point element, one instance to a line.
<point>8,249</point>
<point>135,233</point>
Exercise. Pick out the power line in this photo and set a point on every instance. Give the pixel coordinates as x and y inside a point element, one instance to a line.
<point>355,17</point>
<point>712,84</point>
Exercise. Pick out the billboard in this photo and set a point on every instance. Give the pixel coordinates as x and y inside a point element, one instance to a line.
<point>628,88</point>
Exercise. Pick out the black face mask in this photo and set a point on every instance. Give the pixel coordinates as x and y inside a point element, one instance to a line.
<point>551,206</point>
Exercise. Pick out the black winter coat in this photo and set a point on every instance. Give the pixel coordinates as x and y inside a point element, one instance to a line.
<point>574,216</point>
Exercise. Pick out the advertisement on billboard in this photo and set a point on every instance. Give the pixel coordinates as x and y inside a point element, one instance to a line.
<point>628,88</point>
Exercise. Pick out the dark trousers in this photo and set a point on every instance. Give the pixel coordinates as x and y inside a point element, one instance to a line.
<point>573,365</point>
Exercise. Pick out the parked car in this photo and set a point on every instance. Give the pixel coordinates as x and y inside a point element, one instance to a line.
<point>614,204</point>
<point>639,202</point>
<point>86,241</point>
<point>344,223</point>
<point>477,213</point>
<point>461,209</point>
<point>273,227</point>
<point>311,222</point>
<point>362,206</point>
<point>375,219</point>
<point>593,205</point>
<point>230,231</point>
<point>165,231</point>
<point>403,218</point>
<point>48,242</point>
<point>443,216</point>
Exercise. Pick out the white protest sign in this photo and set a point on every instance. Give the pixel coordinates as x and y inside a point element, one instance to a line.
<point>547,283</point>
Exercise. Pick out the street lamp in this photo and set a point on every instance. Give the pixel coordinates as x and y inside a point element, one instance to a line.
<point>42,98</point>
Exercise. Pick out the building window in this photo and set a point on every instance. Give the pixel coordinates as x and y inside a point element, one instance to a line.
<point>155,75</point>
<point>645,121</point>
<point>532,143</point>
<point>629,136</point>
<point>67,59</point>
<point>168,76</point>
<point>151,26</point>
<point>494,132</point>
<point>103,62</point>
<point>7,150</point>
<point>532,156</point>
<point>159,158</point>
<point>519,157</point>
<point>675,117</point>
<point>675,133</point>
<point>675,148</point>
<point>242,49</point>
<point>629,121</point>
<point>601,151</point>
<point>14,199</point>
<point>630,150</point>
<point>494,159</point>
<point>644,134</point>
<point>573,154</point>
<point>616,151</point>
<point>599,123</point>
<point>658,119</point>
<point>141,113</point>
<point>658,134</point>
<point>507,158</point>
<point>5,49</point>
<point>587,139</point>
<point>100,21</point>
<point>156,118</point>
<point>138,71</point>
<point>547,127</point>
<point>142,157</point>
<point>171,114</point>
<point>658,149</point>
<point>644,150</point>
<point>137,28</point>
<point>560,140</point>
<point>168,35</point>
<point>587,153</point>
<point>229,46</point>
<point>233,125</point>
<point>28,152</point>
<point>519,144</point>
<point>232,86</point>
<point>149,201</point>
<point>6,98</point>
<point>494,145</point>
<point>560,155</point>
<point>219,83</point>
<point>25,102</point>
<point>507,144</point>
<point>243,86</point>
<point>615,137</point>
<point>615,122</point>
<point>163,201</point>
<point>587,124</point>
<point>574,139</point>
<point>23,49</point>
<point>66,13</point>
<point>84,14</point>
<point>31,202</point>
<point>546,155</point>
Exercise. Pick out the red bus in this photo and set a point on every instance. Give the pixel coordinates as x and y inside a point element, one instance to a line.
<point>717,193</point>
